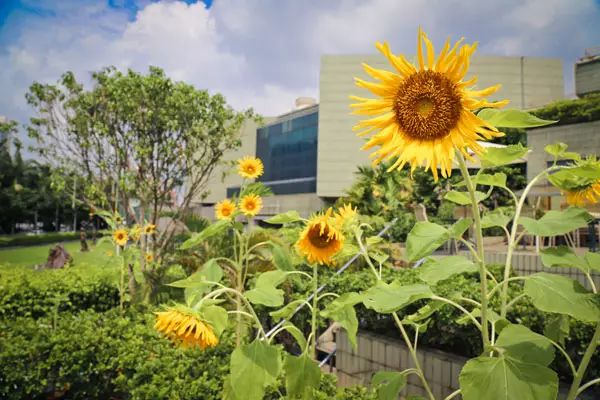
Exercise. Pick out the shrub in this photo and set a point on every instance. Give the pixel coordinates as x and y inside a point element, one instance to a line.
<point>29,293</point>
<point>565,112</point>
<point>24,239</point>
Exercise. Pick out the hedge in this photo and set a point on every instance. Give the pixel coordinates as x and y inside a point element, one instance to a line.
<point>105,356</point>
<point>585,109</point>
<point>24,239</point>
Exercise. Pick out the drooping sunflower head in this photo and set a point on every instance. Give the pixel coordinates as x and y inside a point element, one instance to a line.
<point>321,239</point>
<point>120,237</point>
<point>149,257</point>
<point>149,229</point>
<point>250,167</point>
<point>225,209</point>
<point>424,112</point>
<point>578,190</point>
<point>584,195</point>
<point>251,204</point>
<point>345,215</point>
<point>135,233</point>
<point>186,327</point>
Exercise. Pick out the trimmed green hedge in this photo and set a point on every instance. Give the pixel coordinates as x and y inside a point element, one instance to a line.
<point>28,293</point>
<point>23,239</point>
<point>105,356</point>
<point>575,111</point>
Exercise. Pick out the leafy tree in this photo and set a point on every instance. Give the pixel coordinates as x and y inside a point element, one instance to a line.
<point>135,136</point>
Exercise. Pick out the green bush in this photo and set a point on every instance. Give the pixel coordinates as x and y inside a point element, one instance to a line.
<point>28,293</point>
<point>103,355</point>
<point>23,239</point>
<point>565,112</point>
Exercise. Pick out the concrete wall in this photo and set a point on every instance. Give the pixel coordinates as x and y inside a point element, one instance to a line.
<point>587,77</point>
<point>583,138</point>
<point>527,83</point>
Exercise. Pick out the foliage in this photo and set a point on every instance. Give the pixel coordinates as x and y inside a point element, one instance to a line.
<point>24,239</point>
<point>584,109</point>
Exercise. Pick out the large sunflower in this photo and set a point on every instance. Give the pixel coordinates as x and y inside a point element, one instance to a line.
<point>424,112</point>
<point>251,205</point>
<point>250,167</point>
<point>224,209</point>
<point>320,240</point>
<point>186,327</point>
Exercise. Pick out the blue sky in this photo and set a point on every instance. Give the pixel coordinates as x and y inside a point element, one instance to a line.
<point>265,53</point>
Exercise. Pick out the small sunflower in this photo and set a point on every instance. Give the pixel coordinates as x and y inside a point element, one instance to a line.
<point>135,233</point>
<point>425,112</point>
<point>186,327</point>
<point>320,240</point>
<point>251,205</point>
<point>149,257</point>
<point>120,237</point>
<point>118,219</point>
<point>345,214</point>
<point>149,229</point>
<point>250,167</point>
<point>224,209</point>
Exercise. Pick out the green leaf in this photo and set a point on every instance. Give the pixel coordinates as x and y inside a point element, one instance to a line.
<point>498,156</point>
<point>341,310</point>
<point>437,269</point>
<point>216,316</point>
<point>254,366</point>
<point>209,231</point>
<point>497,180</point>
<point>457,229</point>
<point>200,282</point>
<point>557,327</point>
<point>495,218</point>
<point>281,258</point>
<point>296,333</point>
<point>558,294</point>
<point>389,384</point>
<point>302,376</point>
<point>562,256</point>
<point>285,218</point>
<point>423,239</point>
<point>555,223</point>
<point>286,311</point>
<point>524,345</point>
<point>512,118</point>
<point>265,291</point>
<point>593,260</point>
<point>462,198</point>
<point>506,378</point>
<point>388,298</point>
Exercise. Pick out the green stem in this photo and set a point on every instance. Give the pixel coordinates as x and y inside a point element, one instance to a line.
<point>587,356</point>
<point>313,327</point>
<point>413,355</point>
<point>587,385</point>
<point>122,286</point>
<point>480,251</point>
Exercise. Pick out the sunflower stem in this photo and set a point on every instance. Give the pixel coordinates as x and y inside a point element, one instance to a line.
<point>480,251</point>
<point>313,328</point>
<point>587,356</point>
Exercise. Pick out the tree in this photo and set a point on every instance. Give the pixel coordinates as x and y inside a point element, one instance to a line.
<point>135,136</point>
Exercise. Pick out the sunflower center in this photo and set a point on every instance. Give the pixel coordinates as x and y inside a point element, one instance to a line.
<point>427,105</point>
<point>317,238</point>
<point>226,211</point>
<point>250,205</point>
<point>250,169</point>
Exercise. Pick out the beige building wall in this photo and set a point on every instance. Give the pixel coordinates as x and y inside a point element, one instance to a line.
<point>527,82</point>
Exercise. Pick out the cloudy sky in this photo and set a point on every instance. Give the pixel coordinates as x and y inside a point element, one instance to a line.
<point>265,53</point>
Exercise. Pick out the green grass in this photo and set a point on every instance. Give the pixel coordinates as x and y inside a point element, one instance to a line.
<point>33,255</point>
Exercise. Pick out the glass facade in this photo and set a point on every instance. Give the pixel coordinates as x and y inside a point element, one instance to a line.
<point>288,150</point>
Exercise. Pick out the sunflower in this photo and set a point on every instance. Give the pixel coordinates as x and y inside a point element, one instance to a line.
<point>149,229</point>
<point>250,167</point>
<point>583,195</point>
<point>320,240</point>
<point>120,237</point>
<point>135,233</point>
<point>186,327</point>
<point>224,209</point>
<point>118,219</point>
<point>344,214</point>
<point>424,112</point>
<point>149,257</point>
<point>251,205</point>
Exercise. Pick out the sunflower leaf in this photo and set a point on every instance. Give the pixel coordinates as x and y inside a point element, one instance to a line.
<point>285,218</point>
<point>462,198</point>
<point>254,366</point>
<point>498,156</point>
<point>512,118</point>
<point>389,384</point>
<point>388,298</point>
<point>206,233</point>
<point>555,223</point>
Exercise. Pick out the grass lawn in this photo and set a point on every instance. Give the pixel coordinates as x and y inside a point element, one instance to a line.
<point>32,255</point>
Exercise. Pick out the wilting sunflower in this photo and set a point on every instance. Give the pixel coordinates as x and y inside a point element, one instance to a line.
<point>149,257</point>
<point>344,214</point>
<point>424,112</point>
<point>585,195</point>
<point>250,167</point>
<point>224,209</point>
<point>251,205</point>
<point>120,237</point>
<point>149,229</point>
<point>321,239</point>
<point>135,233</point>
<point>186,327</point>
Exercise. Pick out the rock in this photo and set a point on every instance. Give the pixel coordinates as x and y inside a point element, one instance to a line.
<point>58,257</point>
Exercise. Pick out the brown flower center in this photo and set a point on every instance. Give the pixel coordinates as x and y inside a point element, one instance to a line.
<point>318,238</point>
<point>250,205</point>
<point>226,211</point>
<point>427,105</point>
<point>249,169</point>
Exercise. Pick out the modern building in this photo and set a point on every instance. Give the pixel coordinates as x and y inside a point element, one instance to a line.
<point>587,72</point>
<point>311,153</point>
